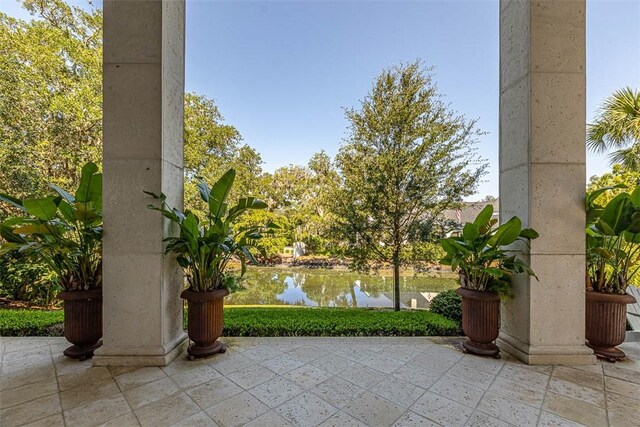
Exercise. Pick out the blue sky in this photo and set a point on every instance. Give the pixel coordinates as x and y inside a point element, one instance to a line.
<point>281,71</point>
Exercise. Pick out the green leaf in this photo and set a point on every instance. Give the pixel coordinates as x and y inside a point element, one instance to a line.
<point>67,211</point>
<point>603,253</point>
<point>63,193</point>
<point>448,247</point>
<point>16,203</point>
<point>591,197</point>
<point>484,216</point>
<point>219,193</point>
<point>190,226</point>
<point>494,272</point>
<point>617,213</point>
<point>507,233</point>
<point>635,197</point>
<point>470,231</point>
<point>204,189</point>
<point>90,188</point>
<point>43,209</point>
<point>631,237</point>
<point>33,229</point>
<point>529,233</point>
<point>604,228</point>
<point>245,204</point>
<point>593,215</point>
<point>7,234</point>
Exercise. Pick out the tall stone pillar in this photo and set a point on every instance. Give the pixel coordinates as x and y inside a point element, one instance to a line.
<point>542,174</point>
<point>143,150</point>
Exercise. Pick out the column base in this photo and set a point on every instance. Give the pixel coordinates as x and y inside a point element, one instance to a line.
<point>546,354</point>
<point>107,356</point>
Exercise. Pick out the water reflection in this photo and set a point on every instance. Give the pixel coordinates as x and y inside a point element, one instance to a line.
<point>333,288</point>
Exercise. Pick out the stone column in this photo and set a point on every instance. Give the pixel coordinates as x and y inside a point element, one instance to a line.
<point>143,150</point>
<point>542,175</point>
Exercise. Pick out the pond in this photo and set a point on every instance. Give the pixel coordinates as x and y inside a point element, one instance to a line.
<point>335,288</point>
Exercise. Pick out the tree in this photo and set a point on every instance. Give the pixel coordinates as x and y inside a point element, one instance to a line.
<point>407,158</point>
<point>301,195</point>
<point>211,147</point>
<point>618,176</point>
<point>50,96</point>
<point>617,127</point>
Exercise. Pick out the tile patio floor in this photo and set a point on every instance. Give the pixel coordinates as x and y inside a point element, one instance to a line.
<point>315,381</point>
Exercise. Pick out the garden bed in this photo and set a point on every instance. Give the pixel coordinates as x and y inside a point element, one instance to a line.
<point>272,321</point>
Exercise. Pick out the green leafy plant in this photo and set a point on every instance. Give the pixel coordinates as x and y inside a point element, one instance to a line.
<point>64,231</point>
<point>30,323</point>
<point>205,247</point>
<point>306,321</point>
<point>448,304</point>
<point>480,255</point>
<point>613,240</point>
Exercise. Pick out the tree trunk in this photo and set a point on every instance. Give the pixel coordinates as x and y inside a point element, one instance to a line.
<point>396,284</point>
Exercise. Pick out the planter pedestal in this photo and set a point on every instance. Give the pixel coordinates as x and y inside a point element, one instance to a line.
<point>606,322</point>
<point>480,322</point>
<point>82,322</point>
<point>206,321</point>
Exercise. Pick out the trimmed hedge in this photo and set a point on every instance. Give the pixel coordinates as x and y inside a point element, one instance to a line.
<point>289,322</point>
<point>29,323</point>
<point>448,304</point>
<point>273,322</point>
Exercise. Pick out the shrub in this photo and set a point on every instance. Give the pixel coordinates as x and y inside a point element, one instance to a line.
<point>448,304</point>
<point>273,322</point>
<point>24,323</point>
<point>253,322</point>
<point>25,279</point>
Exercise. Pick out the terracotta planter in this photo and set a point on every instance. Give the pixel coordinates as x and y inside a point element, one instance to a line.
<point>82,322</point>
<point>480,321</point>
<point>206,320</point>
<point>606,323</point>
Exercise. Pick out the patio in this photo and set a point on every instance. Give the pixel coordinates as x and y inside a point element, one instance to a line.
<point>315,381</point>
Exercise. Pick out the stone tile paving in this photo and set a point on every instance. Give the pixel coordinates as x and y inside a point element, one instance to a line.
<point>315,382</point>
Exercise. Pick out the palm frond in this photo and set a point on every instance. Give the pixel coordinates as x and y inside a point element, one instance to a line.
<point>617,126</point>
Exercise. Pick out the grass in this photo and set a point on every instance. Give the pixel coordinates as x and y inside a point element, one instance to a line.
<point>283,322</point>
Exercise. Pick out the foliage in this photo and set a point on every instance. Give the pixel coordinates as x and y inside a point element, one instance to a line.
<point>25,279</point>
<point>27,323</point>
<point>272,244</point>
<point>617,127</point>
<point>255,322</point>
<point>50,97</point>
<point>64,231</point>
<point>448,304</point>
<point>479,253</point>
<point>619,178</point>
<point>301,196</point>
<point>407,159</point>
<point>205,247</point>
<point>212,147</point>
<point>613,240</point>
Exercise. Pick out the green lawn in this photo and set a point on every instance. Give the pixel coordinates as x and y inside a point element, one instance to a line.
<point>254,322</point>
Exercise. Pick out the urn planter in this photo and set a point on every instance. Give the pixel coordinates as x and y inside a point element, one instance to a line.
<point>480,321</point>
<point>606,323</point>
<point>82,322</point>
<point>206,321</point>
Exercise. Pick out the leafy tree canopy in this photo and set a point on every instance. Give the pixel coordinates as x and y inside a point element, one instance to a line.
<point>407,158</point>
<point>50,96</point>
<point>617,127</point>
